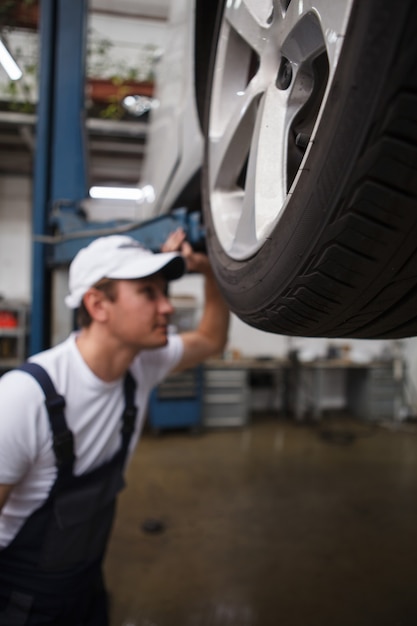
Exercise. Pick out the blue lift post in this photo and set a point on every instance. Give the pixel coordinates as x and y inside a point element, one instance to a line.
<point>60,164</point>
<point>61,175</point>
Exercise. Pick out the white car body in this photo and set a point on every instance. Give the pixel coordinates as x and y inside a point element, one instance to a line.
<point>174,149</point>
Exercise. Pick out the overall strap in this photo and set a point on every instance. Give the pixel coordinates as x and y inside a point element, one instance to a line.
<point>130,411</point>
<point>63,441</point>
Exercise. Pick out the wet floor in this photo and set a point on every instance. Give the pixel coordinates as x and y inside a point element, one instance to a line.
<point>274,524</point>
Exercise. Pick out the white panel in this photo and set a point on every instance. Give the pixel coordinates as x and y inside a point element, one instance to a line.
<point>15,238</point>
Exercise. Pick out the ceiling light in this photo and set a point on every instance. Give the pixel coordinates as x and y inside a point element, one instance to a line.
<point>139,194</point>
<point>13,70</point>
<point>116,193</point>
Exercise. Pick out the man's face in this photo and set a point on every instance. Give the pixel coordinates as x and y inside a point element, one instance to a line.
<point>140,314</point>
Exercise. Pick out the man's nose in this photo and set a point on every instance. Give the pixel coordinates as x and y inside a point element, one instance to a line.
<point>165,305</point>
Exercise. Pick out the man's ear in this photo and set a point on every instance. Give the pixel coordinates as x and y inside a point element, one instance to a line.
<point>95,302</point>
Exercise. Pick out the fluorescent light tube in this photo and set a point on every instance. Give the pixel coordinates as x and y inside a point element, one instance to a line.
<point>140,194</point>
<point>117,193</point>
<point>13,70</point>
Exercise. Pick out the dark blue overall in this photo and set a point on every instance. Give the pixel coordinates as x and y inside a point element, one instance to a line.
<point>51,573</point>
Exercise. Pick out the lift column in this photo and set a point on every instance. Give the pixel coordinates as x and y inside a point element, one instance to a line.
<point>60,165</point>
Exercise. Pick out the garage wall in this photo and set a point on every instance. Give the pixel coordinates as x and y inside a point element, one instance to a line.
<point>15,237</point>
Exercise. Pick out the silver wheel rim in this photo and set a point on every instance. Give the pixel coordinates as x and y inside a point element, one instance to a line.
<point>274,67</point>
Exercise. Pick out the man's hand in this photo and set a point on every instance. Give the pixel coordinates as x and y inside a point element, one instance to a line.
<point>195,261</point>
<point>174,241</point>
<point>210,336</point>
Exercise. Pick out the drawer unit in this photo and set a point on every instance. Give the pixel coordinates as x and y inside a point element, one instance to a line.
<point>374,393</point>
<point>225,399</point>
<point>183,385</point>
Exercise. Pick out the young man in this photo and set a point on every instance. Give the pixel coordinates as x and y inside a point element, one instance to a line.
<point>62,456</point>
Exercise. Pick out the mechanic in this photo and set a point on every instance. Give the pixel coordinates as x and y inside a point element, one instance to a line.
<point>65,439</point>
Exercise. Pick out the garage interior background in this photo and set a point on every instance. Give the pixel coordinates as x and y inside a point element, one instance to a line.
<point>133,36</point>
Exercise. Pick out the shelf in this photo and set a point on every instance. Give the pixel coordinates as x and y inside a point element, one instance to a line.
<point>13,339</point>
<point>12,332</point>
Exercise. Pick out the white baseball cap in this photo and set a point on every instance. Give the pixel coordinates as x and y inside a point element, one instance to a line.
<point>119,257</point>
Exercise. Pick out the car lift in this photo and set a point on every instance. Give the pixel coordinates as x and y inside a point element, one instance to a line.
<point>59,226</point>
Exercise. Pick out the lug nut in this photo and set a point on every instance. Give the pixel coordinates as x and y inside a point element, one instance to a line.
<point>284,77</point>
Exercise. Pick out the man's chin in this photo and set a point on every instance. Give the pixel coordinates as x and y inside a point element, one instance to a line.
<point>160,342</point>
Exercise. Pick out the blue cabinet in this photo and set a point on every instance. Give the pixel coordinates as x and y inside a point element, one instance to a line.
<point>177,402</point>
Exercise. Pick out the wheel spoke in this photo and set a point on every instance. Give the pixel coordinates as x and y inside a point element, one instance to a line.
<point>331,18</point>
<point>270,174</point>
<point>245,235</point>
<point>232,144</point>
<point>265,188</point>
<point>249,18</point>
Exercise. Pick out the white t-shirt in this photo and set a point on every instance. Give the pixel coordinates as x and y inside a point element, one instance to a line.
<point>93,414</point>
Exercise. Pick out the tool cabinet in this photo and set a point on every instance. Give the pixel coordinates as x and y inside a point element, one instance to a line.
<point>177,402</point>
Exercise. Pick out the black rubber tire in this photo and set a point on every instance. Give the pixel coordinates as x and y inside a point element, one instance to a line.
<point>342,261</point>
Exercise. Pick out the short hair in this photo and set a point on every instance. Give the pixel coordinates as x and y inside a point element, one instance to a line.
<point>109,287</point>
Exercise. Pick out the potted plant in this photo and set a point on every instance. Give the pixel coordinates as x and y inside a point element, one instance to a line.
<point>111,79</point>
<point>19,14</point>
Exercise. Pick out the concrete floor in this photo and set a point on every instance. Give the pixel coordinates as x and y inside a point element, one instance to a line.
<point>273,524</point>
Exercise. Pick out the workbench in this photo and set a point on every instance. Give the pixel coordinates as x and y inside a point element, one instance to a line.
<point>219,394</point>
<point>227,388</point>
<point>372,390</point>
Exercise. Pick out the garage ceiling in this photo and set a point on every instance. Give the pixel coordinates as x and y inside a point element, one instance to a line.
<point>115,148</point>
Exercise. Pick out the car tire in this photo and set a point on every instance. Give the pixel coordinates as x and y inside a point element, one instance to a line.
<point>339,256</point>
